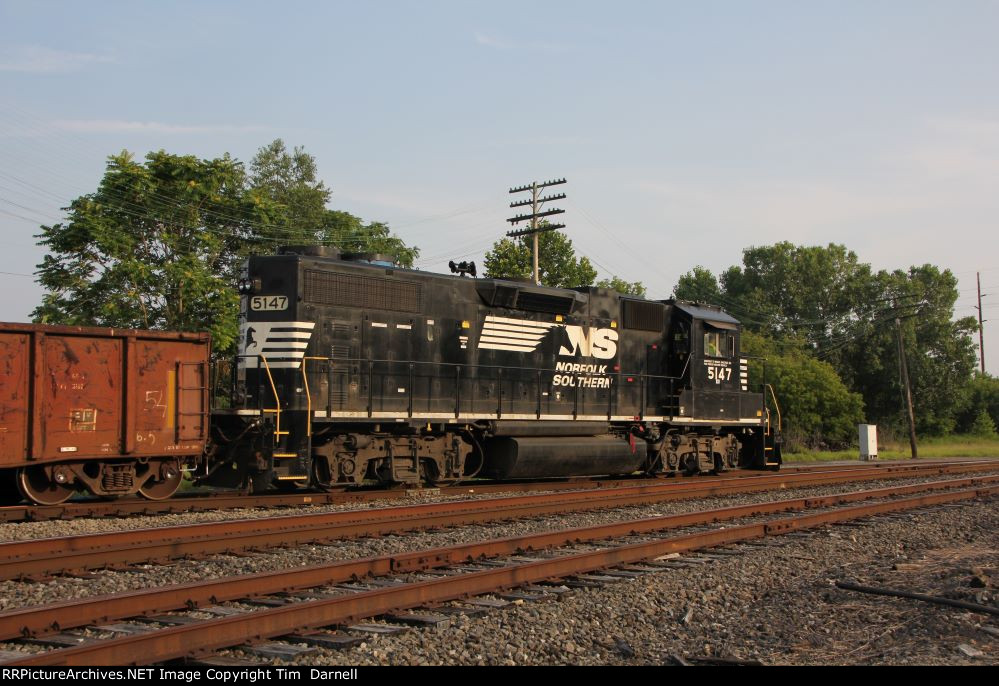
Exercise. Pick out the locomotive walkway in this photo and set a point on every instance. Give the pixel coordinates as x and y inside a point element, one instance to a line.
<point>76,554</point>
<point>466,570</point>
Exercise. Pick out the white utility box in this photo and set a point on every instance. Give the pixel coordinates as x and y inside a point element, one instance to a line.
<point>868,441</point>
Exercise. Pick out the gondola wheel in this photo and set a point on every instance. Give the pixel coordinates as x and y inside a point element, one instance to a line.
<point>164,484</point>
<point>37,485</point>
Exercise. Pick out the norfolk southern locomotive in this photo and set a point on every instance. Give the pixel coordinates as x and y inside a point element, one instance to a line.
<point>351,369</point>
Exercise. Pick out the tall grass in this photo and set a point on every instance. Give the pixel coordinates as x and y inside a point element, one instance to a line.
<point>897,448</point>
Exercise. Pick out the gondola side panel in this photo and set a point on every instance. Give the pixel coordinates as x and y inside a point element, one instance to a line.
<point>81,396</point>
<point>14,397</point>
<point>168,399</point>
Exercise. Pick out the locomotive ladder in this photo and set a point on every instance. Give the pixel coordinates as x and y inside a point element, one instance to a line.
<point>278,433</point>
<point>276,411</point>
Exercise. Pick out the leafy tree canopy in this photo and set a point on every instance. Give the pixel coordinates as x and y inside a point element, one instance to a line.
<point>558,265</point>
<point>351,234</point>
<point>159,243</point>
<point>152,246</point>
<point>698,285</point>
<point>291,181</point>
<point>843,312</point>
<point>816,407</point>
<point>621,286</point>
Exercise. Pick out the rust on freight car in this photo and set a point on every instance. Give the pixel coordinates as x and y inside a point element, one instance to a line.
<point>106,411</point>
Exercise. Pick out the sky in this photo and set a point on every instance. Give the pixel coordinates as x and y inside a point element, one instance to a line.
<point>687,132</point>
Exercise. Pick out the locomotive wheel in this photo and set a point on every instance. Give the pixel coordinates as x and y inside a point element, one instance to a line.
<point>430,475</point>
<point>37,486</point>
<point>321,477</point>
<point>164,484</point>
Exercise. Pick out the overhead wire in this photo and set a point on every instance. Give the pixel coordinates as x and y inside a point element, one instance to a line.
<point>277,233</point>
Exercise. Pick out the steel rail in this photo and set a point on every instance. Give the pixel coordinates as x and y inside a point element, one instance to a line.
<point>193,639</point>
<point>210,502</point>
<point>70,554</point>
<point>61,616</point>
<point>228,501</point>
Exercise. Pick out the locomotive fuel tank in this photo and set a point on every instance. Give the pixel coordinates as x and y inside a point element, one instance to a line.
<point>530,457</point>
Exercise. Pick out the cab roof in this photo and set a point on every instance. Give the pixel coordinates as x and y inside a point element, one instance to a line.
<point>706,312</point>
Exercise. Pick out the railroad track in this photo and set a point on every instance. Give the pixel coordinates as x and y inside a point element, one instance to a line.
<point>396,583</point>
<point>228,501</point>
<point>40,558</point>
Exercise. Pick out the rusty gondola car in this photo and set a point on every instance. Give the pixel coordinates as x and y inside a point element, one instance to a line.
<point>107,411</point>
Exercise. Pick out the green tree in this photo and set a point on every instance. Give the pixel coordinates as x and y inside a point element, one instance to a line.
<point>981,395</point>
<point>153,247</point>
<point>983,426</point>
<point>352,234</point>
<point>698,285</point>
<point>816,407</point>
<point>159,244</point>
<point>558,265</point>
<point>621,286</point>
<point>844,313</point>
<point>810,291</point>
<point>939,350</point>
<point>290,181</point>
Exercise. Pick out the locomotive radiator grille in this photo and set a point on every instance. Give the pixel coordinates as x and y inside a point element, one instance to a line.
<point>644,316</point>
<point>372,292</point>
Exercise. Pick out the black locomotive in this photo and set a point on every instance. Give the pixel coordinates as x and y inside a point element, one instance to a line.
<point>351,369</point>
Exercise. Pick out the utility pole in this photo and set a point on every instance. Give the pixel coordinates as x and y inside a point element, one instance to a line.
<point>981,323</point>
<point>535,203</point>
<point>904,367</point>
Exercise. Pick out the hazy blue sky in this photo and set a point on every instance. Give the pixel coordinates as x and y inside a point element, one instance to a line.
<point>687,131</point>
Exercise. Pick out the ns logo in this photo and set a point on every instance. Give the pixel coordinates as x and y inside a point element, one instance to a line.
<point>590,342</point>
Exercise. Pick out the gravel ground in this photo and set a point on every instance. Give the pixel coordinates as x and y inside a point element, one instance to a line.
<point>15,594</point>
<point>14,531</point>
<point>776,604</point>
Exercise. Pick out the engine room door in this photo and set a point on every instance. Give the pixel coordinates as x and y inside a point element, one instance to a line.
<point>386,374</point>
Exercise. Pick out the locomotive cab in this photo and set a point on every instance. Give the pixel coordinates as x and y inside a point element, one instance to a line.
<point>705,358</point>
<point>712,394</point>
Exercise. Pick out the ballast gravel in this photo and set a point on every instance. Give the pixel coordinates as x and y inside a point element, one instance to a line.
<point>15,594</point>
<point>776,604</point>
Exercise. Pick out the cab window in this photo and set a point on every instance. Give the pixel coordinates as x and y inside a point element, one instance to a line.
<point>717,344</point>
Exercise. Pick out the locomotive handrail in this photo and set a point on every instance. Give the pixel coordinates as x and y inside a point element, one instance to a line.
<point>381,368</point>
<point>277,402</point>
<point>308,392</point>
<point>505,367</point>
<point>773,395</point>
<point>367,366</point>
